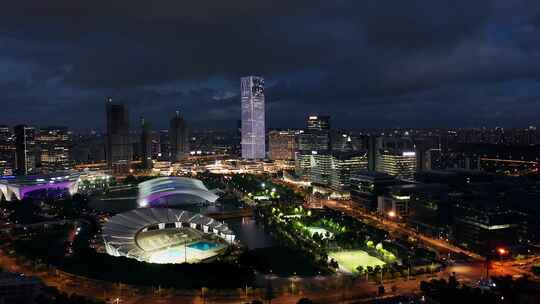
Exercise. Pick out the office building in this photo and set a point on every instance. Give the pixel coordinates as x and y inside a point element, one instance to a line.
<point>318,123</point>
<point>430,209</point>
<point>25,144</point>
<point>164,153</point>
<point>372,152</point>
<point>54,145</point>
<point>253,117</point>
<point>314,141</point>
<point>178,138</point>
<point>334,170</point>
<point>146,145</point>
<point>282,145</point>
<point>346,142</point>
<point>395,203</point>
<point>88,148</point>
<point>482,226</point>
<point>314,147</point>
<point>401,164</point>
<point>119,151</point>
<point>320,166</point>
<point>395,156</point>
<point>344,165</point>
<point>367,186</point>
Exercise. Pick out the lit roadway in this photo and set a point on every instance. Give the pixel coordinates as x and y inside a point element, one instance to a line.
<point>394,226</point>
<point>320,289</point>
<point>474,270</point>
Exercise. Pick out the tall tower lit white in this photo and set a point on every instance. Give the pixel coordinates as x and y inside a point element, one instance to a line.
<point>253,117</point>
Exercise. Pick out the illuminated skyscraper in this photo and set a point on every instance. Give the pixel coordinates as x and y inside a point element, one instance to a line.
<point>179,138</point>
<point>119,151</point>
<point>253,117</point>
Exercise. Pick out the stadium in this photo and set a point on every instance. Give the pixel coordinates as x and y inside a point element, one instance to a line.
<point>166,236</point>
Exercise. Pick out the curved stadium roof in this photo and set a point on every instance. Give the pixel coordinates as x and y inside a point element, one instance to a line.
<point>157,188</point>
<point>120,232</point>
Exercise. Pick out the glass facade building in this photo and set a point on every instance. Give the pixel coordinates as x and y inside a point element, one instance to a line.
<point>253,117</point>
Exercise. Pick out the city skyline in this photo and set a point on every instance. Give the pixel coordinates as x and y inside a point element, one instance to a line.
<point>371,65</point>
<point>286,152</point>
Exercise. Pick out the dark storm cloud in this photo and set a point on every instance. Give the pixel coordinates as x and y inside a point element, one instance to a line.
<point>382,62</point>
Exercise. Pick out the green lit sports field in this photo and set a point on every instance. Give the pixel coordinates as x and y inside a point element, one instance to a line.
<point>349,260</point>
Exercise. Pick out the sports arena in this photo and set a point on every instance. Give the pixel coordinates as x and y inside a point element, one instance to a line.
<point>160,235</point>
<point>173,191</point>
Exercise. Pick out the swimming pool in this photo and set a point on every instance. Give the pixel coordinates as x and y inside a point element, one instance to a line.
<point>204,246</point>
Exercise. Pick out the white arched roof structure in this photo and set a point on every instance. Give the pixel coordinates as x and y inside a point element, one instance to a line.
<point>19,186</point>
<point>154,189</point>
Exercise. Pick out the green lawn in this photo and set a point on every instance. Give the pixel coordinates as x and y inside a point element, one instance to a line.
<point>349,260</point>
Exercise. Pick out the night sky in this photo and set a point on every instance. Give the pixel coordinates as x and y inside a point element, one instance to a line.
<point>369,63</point>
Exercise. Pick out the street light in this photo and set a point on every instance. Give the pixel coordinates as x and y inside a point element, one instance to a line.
<point>392,214</point>
<point>502,251</point>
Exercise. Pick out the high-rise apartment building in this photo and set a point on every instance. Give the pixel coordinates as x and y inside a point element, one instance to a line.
<point>253,117</point>
<point>178,138</point>
<point>25,145</point>
<point>54,149</point>
<point>282,145</point>
<point>119,150</point>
